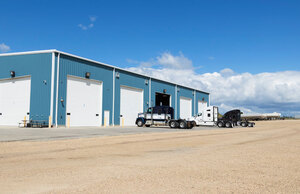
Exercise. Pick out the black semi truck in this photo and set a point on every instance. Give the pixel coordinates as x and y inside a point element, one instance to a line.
<point>162,116</point>
<point>233,118</point>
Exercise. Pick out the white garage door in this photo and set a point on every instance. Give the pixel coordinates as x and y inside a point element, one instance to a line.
<point>84,102</point>
<point>14,100</point>
<point>185,107</point>
<point>131,103</point>
<point>201,106</point>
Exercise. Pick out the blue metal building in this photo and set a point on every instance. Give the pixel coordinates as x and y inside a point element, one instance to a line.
<point>75,91</point>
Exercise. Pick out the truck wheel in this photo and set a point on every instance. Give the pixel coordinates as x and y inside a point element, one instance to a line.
<point>140,123</point>
<point>228,125</point>
<point>147,125</point>
<point>194,124</point>
<point>220,124</point>
<point>244,124</point>
<point>173,124</point>
<point>250,124</point>
<point>182,124</point>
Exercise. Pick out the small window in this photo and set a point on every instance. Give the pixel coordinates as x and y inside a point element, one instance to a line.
<point>208,115</point>
<point>149,110</point>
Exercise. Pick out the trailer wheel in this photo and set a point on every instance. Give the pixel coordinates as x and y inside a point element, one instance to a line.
<point>250,124</point>
<point>173,124</point>
<point>228,125</point>
<point>244,124</point>
<point>220,124</point>
<point>182,124</point>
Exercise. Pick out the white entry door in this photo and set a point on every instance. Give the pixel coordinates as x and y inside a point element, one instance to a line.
<point>84,102</point>
<point>185,107</point>
<point>131,103</point>
<point>106,118</point>
<point>14,100</point>
<point>201,106</point>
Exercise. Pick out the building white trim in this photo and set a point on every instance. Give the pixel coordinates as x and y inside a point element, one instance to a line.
<point>29,52</point>
<point>57,86</point>
<point>150,103</point>
<point>113,102</point>
<point>52,86</point>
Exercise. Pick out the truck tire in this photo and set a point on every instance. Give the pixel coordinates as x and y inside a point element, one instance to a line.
<point>147,125</point>
<point>182,125</point>
<point>228,125</point>
<point>220,124</point>
<point>244,124</point>
<point>173,124</point>
<point>140,123</point>
<point>250,124</point>
<point>194,124</point>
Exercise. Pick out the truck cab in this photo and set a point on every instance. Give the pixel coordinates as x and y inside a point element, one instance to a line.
<point>208,116</point>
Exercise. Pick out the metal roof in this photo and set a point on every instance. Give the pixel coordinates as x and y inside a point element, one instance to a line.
<point>93,61</point>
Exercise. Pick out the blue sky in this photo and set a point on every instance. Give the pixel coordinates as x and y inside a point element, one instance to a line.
<point>245,37</point>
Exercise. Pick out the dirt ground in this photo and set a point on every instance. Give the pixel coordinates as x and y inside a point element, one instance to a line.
<point>263,159</point>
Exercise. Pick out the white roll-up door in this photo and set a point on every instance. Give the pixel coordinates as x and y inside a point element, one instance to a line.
<point>185,107</point>
<point>131,103</point>
<point>201,106</point>
<point>84,102</point>
<point>14,100</point>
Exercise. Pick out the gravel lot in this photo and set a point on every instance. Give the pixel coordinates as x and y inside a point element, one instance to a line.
<point>10,134</point>
<point>263,159</point>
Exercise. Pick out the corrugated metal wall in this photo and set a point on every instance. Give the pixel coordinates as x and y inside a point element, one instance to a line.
<point>38,66</point>
<point>131,80</point>
<point>77,67</point>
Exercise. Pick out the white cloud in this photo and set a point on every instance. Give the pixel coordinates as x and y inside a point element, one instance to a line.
<point>211,58</point>
<point>83,27</point>
<point>168,60</point>
<point>263,92</point>
<point>93,18</point>
<point>227,72</point>
<point>4,48</point>
<point>89,26</point>
<point>165,60</point>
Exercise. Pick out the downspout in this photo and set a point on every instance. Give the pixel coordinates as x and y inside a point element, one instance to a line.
<point>52,87</point>
<point>176,101</point>
<point>195,93</point>
<point>150,103</point>
<point>57,84</point>
<point>113,103</point>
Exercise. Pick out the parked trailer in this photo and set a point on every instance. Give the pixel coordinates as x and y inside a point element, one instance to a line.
<point>162,116</point>
<point>233,118</point>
